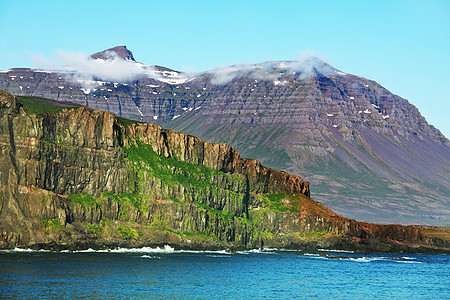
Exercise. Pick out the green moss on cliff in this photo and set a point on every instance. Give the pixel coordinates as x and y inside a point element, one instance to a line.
<point>51,224</point>
<point>171,170</point>
<point>223,214</point>
<point>136,200</point>
<point>279,202</point>
<point>127,232</point>
<point>39,106</point>
<point>83,199</point>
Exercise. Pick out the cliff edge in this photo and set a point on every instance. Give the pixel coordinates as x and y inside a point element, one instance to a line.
<point>76,178</point>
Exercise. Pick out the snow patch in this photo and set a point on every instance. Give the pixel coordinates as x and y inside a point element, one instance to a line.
<point>385,117</point>
<point>177,116</point>
<point>60,87</point>
<point>330,115</point>
<point>352,98</point>
<point>367,112</point>
<point>198,107</point>
<point>140,112</point>
<point>199,95</point>
<point>155,117</point>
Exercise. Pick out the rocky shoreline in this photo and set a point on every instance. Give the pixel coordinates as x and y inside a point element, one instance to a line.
<point>76,178</point>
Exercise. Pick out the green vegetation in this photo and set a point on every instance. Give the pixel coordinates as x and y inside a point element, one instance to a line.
<point>126,122</point>
<point>127,232</point>
<point>93,228</point>
<point>135,200</point>
<point>51,224</point>
<point>39,106</point>
<point>220,213</point>
<point>83,199</point>
<point>275,202</point>
<point>169,169</point>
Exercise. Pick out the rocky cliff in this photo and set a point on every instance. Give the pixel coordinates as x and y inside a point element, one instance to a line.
<point>73,178</point>
<point>369,154</point>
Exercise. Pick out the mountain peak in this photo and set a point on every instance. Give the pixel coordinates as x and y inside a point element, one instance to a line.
<point>119,51</point>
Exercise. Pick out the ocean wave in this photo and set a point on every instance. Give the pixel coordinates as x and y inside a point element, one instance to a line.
<point>150,256</point>
<point>165,250</point>
<point>24,250</point>
<point>259,251</point>
<point>336,250</point>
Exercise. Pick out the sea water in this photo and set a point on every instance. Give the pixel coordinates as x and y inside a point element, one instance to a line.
<point>164,273</point>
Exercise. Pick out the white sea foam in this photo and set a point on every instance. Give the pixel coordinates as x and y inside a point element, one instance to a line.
<point>361,259</point>
<point>25,250</point>
<point>219,256</point>
<point>335,250</point>
<point>150,256</point>
<point>165,249</point>
<point>311,254</point>
<point>258,251</point>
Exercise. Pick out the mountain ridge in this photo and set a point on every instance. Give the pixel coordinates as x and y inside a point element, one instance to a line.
<point>369,154</point>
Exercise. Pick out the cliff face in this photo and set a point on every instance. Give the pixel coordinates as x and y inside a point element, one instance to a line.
<point>78,178</point>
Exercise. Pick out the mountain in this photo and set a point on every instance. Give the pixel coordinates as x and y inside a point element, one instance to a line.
<point>76,178</point>
<point>119,52</point>
<point>368,154</point>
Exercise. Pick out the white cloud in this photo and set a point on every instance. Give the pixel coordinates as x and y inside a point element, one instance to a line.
<point>82,68</point>
<point>308,64</point>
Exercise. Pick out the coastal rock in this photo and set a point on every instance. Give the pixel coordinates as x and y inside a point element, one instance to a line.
<point>77,178</point>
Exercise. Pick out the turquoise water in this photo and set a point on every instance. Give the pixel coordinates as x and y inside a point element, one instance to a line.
<point>164,273</point>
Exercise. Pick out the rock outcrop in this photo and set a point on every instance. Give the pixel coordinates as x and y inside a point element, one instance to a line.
<point>119,52</point>
<point>77,178</point>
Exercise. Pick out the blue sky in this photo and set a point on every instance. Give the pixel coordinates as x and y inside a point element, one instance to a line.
<point>403,45</point>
